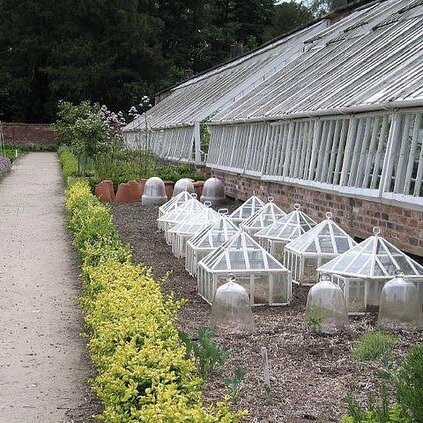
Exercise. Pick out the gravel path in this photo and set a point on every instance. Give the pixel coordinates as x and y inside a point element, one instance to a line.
<point>43,360</point>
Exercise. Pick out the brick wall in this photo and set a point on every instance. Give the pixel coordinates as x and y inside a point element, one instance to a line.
<point>24,134</point>
<point>403,227</point>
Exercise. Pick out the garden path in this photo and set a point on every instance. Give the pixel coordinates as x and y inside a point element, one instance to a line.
<point>43,359</point>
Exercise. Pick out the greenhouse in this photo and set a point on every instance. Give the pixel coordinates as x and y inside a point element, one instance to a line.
<point>265,279</point>
<point>182,232</point>
<point>344,117</point>
<point>207,241</point>
<point>274,237</point>
<point>326,311</point>
<point>268,214</point>
<point>399,305</point>
<point>173,203</point>
<point>319,245</point>
<point>179,214</point>
<point>363,271</point>
<point>231,310</point>
<point>247,209</point>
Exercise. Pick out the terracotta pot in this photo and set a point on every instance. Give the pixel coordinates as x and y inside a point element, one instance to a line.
<point>142,185</point>
<point>111,187</point>
<point>198,187</point>
<point>102,191</point>
<point>135,190</point>
<point>123,194</point>
<point>169,188</point>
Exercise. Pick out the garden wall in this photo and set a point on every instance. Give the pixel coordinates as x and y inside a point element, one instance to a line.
<point>25,134</point>
<point>403,227</point>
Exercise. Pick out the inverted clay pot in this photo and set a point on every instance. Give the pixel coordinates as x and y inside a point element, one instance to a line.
<point>198,187</point>
<point>109,183</point>
<point>135,191</point>
<point>142,185</point>
<point>169,188</point>
<point>102,191</point>
<point>123,194</point>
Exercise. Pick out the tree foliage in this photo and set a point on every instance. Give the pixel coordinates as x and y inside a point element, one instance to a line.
<point>114,52</point>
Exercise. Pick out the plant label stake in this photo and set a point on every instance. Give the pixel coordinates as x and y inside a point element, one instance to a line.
<point>266,372</point>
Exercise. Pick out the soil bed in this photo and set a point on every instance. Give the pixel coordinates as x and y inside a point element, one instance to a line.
<point>311,375</point>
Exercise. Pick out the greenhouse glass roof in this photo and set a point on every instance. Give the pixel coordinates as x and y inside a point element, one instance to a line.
<point>175,202</point>
<point>325,238</point>
<point>267,215</point>
<point>377,59</point>
<point>247,209</point>
<point>241,254</point>
<point>289,227</point>
<point>376,258</point>
<point>182,212</point>
<point>215,235</point>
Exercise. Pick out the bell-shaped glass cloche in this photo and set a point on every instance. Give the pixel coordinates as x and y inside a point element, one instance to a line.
<point>274,237</point>
<point>213,191</point>
<point>246,209</point>
<point>268,214</point>
<point>231,310</point>
<point>362,271</point>
<point>183,184</point>
<point>154,192</point>
<point>399,305</point>
<point>266,280</point>
<point>326,310</point>
<point>206,241</point>
<point>315,247</point>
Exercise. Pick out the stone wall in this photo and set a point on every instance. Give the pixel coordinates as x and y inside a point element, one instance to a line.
<point>25,134</point>
<point>403,227</point>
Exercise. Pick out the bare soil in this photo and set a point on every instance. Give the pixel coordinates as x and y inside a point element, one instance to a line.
<point>311,374</point>
<point>43,357</point>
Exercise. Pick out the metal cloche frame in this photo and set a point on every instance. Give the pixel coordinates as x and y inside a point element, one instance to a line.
<point>246,209</point>
<point>307,127</point>
<point>266,280</point>
<point>179,214</point>
<point>315,247</point>
<point>267,215</point>
<point>363,271</point>
<point>206,241</point>
<point>274,237</point>
<point>173,203</point>
<point>182,232</point>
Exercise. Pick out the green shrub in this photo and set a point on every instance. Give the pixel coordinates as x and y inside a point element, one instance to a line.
<point>143,373</point>
<point>410,384</point>
<point>69,162</point>
<point>374,346</point>
<point>395,415</point>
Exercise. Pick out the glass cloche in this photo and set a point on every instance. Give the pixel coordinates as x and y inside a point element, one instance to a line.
<point>399,305</point>
<point>173,203</point>
<point>231,310</point>
<point>213,191</point>
<point>326,310</point>
<point>246,209</point>
<point>183,184</point>
<point>154,192</point>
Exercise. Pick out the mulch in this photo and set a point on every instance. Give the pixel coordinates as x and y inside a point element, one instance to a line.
<point>311,374</point>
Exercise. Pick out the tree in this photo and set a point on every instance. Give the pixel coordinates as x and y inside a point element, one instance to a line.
<point>288,16</point>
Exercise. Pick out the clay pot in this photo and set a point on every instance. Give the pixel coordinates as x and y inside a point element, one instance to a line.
<point>135,191</point>
<point>142,185</point>
<point>169,188</point>
<point>198,187</point>
<point>111,187</point>
<point>123,194</point>
<point>102,192</point>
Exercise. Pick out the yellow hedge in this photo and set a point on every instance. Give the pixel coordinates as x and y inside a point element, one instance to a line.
<point>143,372</point>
